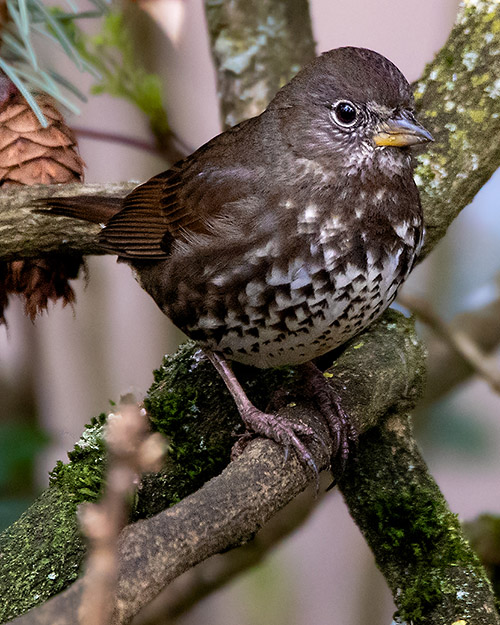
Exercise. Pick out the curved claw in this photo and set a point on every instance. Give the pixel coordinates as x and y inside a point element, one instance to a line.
<point>284,432</point>
<point>305,456</point>
<point>343,433</point>
<point>271,426</point>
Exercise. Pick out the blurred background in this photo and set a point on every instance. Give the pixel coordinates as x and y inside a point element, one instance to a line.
<point>67,366</point>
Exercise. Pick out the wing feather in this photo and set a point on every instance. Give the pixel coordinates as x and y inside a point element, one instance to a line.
<point>182,201</point>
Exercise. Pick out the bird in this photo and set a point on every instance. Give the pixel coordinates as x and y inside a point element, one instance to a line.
<point>286,235</point>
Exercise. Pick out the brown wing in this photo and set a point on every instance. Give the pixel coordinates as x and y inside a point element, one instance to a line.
<point>138,229</point>
<point>182,200</point>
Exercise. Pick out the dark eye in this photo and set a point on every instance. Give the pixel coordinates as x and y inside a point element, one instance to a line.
<point>344,113</point>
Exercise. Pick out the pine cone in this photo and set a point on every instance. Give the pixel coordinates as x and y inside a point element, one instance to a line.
<point>31,154</point>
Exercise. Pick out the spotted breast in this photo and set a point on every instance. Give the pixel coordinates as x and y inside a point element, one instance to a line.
<point>305,278</point>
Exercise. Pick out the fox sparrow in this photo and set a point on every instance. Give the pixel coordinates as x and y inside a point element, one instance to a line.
<point>283,237</point>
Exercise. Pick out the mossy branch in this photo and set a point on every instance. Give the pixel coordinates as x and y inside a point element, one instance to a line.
<point>226,512</point>
<point>418,544</point>
<point>458,100</point>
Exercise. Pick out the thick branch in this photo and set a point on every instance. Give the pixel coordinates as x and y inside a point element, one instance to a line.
<point>458,100</point>
<point>25,233</point>
<point>258,46</point>
<point>417,542</point>
<point>227,510</point>
<point>230,508</point>
<point>214,573</point>
<point>185,388</point>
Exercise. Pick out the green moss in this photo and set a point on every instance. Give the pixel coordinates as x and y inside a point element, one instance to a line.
<point>416,539</point>
<point>422,535</point>
<point>189,403</point>
<point>82,477</point>
<point>43,549</point>
<point>30,571</point>
<point>484,536</point>
<point>425,176</point>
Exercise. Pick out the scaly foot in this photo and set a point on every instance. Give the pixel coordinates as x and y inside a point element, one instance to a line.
<point>280,430</point>
<point>343,432</point>
<point>275,427</point>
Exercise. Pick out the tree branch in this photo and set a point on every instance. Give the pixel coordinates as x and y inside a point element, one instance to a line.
<point>215,572</point>
<point>226,511</point>
<point>417,542</point>
<point>458,101</point>
<point>459,341</point>
<point>258,46</point>
<point>447,367</point>
<point>25,233</point>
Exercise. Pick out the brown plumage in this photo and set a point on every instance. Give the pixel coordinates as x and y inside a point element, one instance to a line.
<point>286,235</point>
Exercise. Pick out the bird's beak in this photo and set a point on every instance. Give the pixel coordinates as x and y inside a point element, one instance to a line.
<point>400,132</point>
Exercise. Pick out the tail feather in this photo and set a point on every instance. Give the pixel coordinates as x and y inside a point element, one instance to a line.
<point>91,208</point>
<point>134,232</point>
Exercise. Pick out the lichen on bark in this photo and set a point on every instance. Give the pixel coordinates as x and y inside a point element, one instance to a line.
<point>458,100</point>
<point>258,46</point>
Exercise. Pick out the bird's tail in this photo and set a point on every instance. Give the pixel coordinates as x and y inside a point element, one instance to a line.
<point>93,208</point>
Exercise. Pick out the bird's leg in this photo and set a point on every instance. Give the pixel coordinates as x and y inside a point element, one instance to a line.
<point>271,426</point>
<point>344,434</point>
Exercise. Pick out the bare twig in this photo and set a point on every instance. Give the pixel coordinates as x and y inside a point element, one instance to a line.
<point>114,137</point>
<point>100,135</point>
<point>446,367</point>
<point>461,342</point>
<point>130,453</point>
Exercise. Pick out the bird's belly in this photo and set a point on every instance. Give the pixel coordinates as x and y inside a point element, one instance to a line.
<point>281,305</point>
<point>279,325</point>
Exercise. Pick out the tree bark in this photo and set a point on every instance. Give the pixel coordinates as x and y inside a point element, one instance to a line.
<point>257,46</point>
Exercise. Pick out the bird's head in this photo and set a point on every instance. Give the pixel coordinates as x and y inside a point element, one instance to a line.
<point>349,104</point>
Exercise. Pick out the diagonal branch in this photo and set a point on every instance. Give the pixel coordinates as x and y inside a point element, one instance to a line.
<point>459,341</point>
<point>458,101</point>
<point>447,367</point>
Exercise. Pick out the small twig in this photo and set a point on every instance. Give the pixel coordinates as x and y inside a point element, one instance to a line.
<point>114,137</point>
<point>176,148</point>
<point>461,342</point>
<point>130,453</point>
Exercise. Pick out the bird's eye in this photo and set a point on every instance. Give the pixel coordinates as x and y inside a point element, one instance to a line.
<point>344,113</point>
